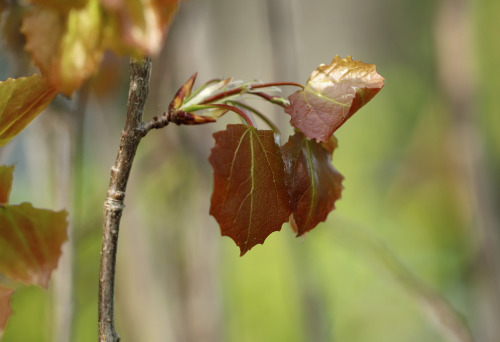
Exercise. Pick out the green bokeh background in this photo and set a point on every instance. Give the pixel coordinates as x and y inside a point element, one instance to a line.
<point>418,212</point>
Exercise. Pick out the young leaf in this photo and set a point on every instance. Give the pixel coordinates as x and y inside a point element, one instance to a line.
<point>21,100</point>
<point>30,239</point>
<point>5,310</point>
<point>312,182</point>
<point>250,200</point>
<point>332,95</point>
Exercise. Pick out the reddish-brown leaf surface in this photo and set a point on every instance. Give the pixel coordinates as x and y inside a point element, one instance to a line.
<point>313,183</point>
<point>21,100</point>
<point>250,199</point>
<point>30,239</point>
<point>5,310</point>
<point>332,95</point>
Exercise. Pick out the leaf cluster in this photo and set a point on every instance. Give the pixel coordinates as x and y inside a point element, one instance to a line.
<point>259,185</point>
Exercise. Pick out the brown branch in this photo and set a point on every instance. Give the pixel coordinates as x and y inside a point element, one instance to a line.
<point>140,71</point>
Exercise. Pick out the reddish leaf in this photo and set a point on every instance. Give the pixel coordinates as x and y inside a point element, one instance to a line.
<point>314,185</point>
<point>21,100</point>
<point>30,239</point>
<point>332,95</point>
<point>250,200</point>
<point>5,310</point>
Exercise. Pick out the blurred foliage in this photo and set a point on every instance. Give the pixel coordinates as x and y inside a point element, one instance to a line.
<point>410,184</point>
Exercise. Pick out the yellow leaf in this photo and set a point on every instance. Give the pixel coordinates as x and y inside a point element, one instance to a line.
<point>21,100</point>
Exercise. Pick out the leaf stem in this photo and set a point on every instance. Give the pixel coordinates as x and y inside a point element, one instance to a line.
<point>259,114</point>
<point>241,89</point>
<point>140,71</point>
<point>235,110</point>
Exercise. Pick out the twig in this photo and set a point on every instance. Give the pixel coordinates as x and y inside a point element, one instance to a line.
<point>140,71</point>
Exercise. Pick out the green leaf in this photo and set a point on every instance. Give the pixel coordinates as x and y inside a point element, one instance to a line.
<point>21,100</point>
<point>332,95</point>
<point>30,239</point>
<point>313,183</point>
<point>250,200</point>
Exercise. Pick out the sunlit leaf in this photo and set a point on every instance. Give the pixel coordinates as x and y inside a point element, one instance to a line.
<point>60,5</point>
<point>332,95</point>
<point>250,200</point>
<point>67,42</point>
<point>30,239</point>
<point>21,100</point>
<point>67,47</point>
<point>134,26</point>
<point>5,310</point>
<point>314,185</point>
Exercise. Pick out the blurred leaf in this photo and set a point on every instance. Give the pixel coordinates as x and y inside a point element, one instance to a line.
<point>5,310</point>
<point>332,95</point>
<point>21,100</point>
<point>6,179</point>
<point>250,200</point>
<point>313,184</point>
<point>65,46</point>
<point>30,238</point>
<point>67,42</point>
<point>60,5</point>
<point>137,26</point>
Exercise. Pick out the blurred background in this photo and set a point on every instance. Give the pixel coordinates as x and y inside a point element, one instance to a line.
<point>414,235</point>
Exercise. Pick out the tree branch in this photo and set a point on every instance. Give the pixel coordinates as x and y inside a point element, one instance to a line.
<point>140,71</point>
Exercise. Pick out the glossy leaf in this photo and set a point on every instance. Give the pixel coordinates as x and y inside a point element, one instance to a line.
<point>21,100</point>
<point>250,200</point>
<point>313,183</point>
<point>5,310</point>
<point>30,239</point>
<point>332,95</point>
